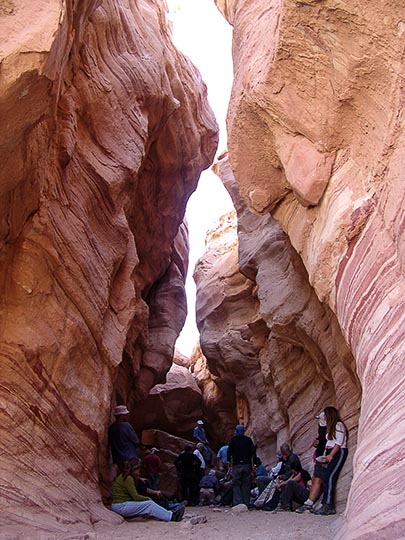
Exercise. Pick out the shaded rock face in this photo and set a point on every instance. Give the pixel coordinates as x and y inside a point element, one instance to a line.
<point>174,406</point>
<point>105,130</point>
<point>218,400</point>
<point>264,331</point>
<point>316,137</point>
<point>169,448</point>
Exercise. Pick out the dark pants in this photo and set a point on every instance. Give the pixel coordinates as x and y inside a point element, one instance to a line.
<point>154,480</point>
<point>190,489</point>
<point>293,491</point>
<point>331,474</point>
<point>241,483</point>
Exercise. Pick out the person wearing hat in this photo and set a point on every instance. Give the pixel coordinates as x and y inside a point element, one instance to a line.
<point>127,502</point>
<point>201,437</point>
<point>152,464</point>
<point>122,438</point>
<point>241,455</point>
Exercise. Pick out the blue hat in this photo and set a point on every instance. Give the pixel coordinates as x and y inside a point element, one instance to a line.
<point>240,430</point>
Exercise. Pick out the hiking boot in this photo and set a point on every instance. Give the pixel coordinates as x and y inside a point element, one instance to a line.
<point>305,508</point>
<point>325,510</point>
<point>178,514</point>
<point>281,508</point>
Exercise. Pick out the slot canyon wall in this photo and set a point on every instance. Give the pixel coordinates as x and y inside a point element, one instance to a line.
<point>316,140</point>
<point>105,130</point>
<point>264,331</point>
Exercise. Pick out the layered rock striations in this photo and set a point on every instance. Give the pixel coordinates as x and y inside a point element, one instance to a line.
<point>316,138</point>
<point>105,130</point>
<point>265,331</point>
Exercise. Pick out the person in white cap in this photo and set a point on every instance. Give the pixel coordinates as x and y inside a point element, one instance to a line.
<point>122,438</point>
<point>200,436</point>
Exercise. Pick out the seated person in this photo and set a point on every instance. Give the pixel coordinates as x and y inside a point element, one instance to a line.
<point>264,480</point>
<point>260,468</point>
<point>208,488</point>
<point>293,490</point>
<point>127,502</point>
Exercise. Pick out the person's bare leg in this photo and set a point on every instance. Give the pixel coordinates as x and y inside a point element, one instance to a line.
<point>316,489</point>
<point>314,492</point>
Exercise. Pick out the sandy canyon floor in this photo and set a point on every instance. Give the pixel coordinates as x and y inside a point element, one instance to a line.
<point>214,524</point>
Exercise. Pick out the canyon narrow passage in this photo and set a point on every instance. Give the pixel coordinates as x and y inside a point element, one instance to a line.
<point>114,166</point>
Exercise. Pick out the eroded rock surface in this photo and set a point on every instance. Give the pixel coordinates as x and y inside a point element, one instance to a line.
<point>169,448</point>
<point>174,406</point>
<point>264,331</point>
<point>105,130</point>
<point>316,137</point>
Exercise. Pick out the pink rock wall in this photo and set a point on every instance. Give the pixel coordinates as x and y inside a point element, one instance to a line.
<point>105,130</point>
<point>316,131</point>
<point>265,331</point>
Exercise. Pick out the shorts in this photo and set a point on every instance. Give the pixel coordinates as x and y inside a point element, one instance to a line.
<point>318,470</point>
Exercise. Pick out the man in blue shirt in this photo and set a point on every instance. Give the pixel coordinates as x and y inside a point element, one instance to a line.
<point>222,456</point>
<point>122,437</point>
<point>201,437</point>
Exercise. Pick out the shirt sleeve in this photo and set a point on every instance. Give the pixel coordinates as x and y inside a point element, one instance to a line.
<point>132,434</point>
<point>340,434</point>
<point>130,486</point>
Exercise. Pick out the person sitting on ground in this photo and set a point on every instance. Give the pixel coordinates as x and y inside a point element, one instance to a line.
<point>263,481</point>
<point>198,452</point>
<point>122,438</point>
<point>291,462</point>
<point>188,467</point>
<point>293,490</point>
<point>222,457</point>
<point>127,502</point>
<point>260,468</point>
<point>152,466</point>
<point>208,487</point>
<point>317,475</point>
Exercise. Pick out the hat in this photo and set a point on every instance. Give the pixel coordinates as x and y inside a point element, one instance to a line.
<point>239,430</point>
<point>154,450</point>
<point>200,422</point>
<point>120,409</point>
<point>321,419</point>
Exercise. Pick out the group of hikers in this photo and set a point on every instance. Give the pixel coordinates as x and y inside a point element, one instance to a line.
<point>233,476</point>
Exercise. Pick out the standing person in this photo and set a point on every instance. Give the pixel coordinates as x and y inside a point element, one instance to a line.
<point>198,452</point>
<point>336,455</point>
<point>241,455</point>
<point>152,466</point>
<point>122,438</point>
<point>317,476</point>
<point>200,436</point>
<point>127,502</point>
<point>188,466</point>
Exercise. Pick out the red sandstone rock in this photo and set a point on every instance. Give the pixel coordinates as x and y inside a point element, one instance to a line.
<point>331,74</point>
<point>174,406</point>
<point>264,331</point>
<point>169,448</point>
<point>105,130</point>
